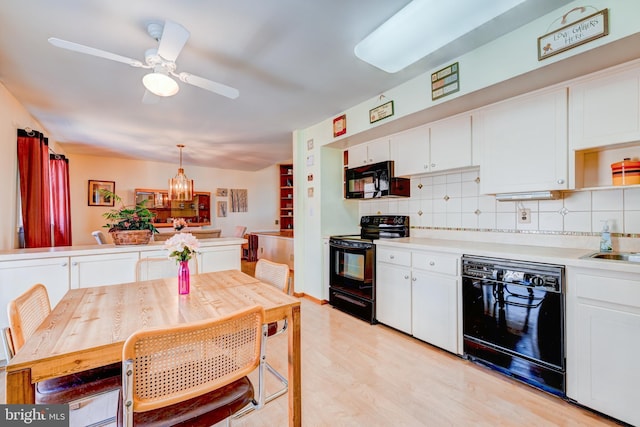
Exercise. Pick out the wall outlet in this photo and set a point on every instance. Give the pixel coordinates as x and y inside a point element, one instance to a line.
<point>524,216</point>
<point>277,222</point>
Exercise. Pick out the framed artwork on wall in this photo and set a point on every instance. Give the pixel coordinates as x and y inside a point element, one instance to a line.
<point>96,197</point>
<point>221,210</point>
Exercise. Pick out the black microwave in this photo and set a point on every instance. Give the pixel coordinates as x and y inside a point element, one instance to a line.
<point>374,181</point>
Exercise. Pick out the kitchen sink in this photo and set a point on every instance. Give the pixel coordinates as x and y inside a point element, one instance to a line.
<point>615,256</point>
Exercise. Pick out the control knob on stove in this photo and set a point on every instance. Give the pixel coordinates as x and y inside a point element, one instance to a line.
<point>537,280</point>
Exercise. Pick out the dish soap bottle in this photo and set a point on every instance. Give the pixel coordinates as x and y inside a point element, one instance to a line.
<point>605,238</point>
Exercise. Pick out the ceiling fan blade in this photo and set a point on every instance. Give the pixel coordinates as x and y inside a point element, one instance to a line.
<point>174,36</point>
<point>215,87</point>
<point>64,44</point>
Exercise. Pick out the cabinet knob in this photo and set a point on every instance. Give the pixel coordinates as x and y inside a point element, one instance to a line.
<point>432,263</point>
<point>64,264</point>
<point>560,180</point>
<point>74,263</point>
<point>391,257</point>
<point>414,279</point>
<point>433,165</point>
<point>406,276</point>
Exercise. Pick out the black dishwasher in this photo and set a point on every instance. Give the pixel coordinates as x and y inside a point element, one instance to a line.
<point>513,319</point>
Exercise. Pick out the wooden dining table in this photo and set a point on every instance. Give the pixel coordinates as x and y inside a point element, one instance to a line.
<point>88,327</point>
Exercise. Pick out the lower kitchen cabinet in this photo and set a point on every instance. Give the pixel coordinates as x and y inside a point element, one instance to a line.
<point>18,276</point>
<point>434,309</point>
<point>105,269</point>
<point>603,326</point>
<point>417,293</point>
<point>219,258</point>
<point>393,296</point>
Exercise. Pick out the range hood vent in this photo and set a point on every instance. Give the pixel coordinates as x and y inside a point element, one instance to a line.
<point>535,195</point>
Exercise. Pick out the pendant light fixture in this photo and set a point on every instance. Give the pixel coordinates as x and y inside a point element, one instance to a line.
<point>180,187</point>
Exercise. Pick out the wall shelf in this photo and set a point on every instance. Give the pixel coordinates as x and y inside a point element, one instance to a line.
<point>286,196</point>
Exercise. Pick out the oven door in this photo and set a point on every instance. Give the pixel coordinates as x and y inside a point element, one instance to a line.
<point>351,268</point>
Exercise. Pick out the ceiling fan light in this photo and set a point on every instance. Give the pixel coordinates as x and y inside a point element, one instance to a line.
<point>160,84</point>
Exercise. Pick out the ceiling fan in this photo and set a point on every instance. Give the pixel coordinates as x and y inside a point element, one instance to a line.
<point>171,39</point>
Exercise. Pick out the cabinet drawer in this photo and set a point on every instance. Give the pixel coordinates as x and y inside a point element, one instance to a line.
<point>393,256</point>
<point>435,262</point>
<point>623,289</point>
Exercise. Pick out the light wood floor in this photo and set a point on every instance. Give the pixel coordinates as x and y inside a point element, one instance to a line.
<point>356,374</point>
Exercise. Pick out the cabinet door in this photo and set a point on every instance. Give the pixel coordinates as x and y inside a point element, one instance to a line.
<point>434,309</point>
<point>378,150</point>
<point>607,363</point>
<point>219,258</point>
<point>107,269</point>
<point>393,296</point>
<point>410,151</point>
<point>605,110</point>
<point>18,276</point>
<point>358,155</point>
<point>450,143</point>
<point>523,144</point>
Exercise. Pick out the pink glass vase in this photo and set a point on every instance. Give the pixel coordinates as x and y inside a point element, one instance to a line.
<point>183,278</point>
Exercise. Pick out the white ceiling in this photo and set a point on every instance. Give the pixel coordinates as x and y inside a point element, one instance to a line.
<point>291,60</point>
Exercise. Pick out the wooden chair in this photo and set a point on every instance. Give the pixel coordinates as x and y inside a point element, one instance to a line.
<point>239,231</point>
<point>26,313</point>
<point>274,274</point>
<point>192,374</point>
<point>157,268</point>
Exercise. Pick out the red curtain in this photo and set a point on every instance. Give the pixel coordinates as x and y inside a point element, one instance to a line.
<point>60,200</point>
<point>33,167</point>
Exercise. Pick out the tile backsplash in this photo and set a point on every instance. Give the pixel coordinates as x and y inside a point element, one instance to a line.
<point>452,201</point>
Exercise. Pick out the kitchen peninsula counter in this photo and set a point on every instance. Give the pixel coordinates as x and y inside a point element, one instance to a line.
<point>71,267</point>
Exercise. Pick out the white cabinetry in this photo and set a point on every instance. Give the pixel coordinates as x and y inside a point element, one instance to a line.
<point>410,151</point>
<point>523,143</point>
<point>18,276</point>
<point>417,293</point>
<point>450,146</point>
<point>435,147</point>
<point>371,152</point>
<point>105,269</point>
<point>219,258</point>
<point>393,288</point>
<point>605,109</point>
<point>603,326</point>
<point>434,306</point>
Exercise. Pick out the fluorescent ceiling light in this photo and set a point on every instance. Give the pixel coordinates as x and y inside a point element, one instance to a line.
<point>422,27</point>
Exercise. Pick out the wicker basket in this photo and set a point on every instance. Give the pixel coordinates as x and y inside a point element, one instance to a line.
<point>131,237</point>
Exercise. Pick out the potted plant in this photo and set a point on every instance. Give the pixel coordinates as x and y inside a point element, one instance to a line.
<point>129,225</point>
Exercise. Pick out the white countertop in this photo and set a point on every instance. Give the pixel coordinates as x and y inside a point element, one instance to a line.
<point>33,253</point>
<point>551,255</point>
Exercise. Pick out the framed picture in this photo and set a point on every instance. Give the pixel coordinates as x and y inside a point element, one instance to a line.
<point>221,210</point>
<point>340,125</point>
<point>381,112</point>
<point>95,195</point>
<point>221,192</point>
<point>579,32</point>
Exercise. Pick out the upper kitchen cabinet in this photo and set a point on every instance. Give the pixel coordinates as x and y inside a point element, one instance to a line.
<point>410,151</point>
<point>450,146</point>
<point>604,124</point>
<point>375,151</point>
<point>435,147</point>
<point>605,109</point>
<point>523,143</point>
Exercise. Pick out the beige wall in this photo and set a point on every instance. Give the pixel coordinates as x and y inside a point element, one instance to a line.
<point>262,185</point>
<point>262,189</point>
